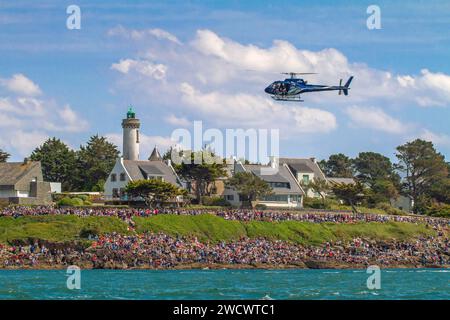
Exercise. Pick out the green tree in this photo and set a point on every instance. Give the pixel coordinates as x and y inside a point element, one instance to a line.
<point>58,162</point>
<point>95,161</point>
<point>350,193</point>
<point>4,156</point>
<point>337,165</point>
<point>377,172</point>
<point>201,169</point>
<point>153,191</point>
<point>321,186</point>
<point>422,167</point>
<point>249,187</point>
<point>440,190</point>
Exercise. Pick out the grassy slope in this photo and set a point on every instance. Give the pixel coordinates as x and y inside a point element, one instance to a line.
<point>208,227</point>
<point>56,228</point>
<point>205,227</point>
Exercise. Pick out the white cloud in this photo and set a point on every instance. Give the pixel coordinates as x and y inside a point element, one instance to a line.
<point>26,121</point>
<point>439,139</point>
<point>255,111</point>
<point>21,141</point>
<point>177,121</point>
<point>146,68</point>
<point>376,119</point>
<point>141,34</point>
<point>20,84</point>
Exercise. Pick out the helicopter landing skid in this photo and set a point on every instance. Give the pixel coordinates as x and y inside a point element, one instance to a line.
<point>287,98</point>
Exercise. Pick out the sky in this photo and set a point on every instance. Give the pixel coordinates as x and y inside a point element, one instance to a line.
<point>177,62</point>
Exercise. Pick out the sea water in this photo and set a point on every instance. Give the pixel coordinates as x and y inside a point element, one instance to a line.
<point>225,284</point>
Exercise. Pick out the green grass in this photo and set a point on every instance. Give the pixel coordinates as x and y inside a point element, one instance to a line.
<point>213,228</point>
<point>205,227</point>
<point>56,228</point>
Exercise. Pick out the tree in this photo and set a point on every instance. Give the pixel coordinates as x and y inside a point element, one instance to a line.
<point>422,167</point>
<point>377,172</point>
<point>321,186</point>
<point>249,186</point>
<point>337,165</point>
<point>153,191</point>
<point>4,156</point>
<point>201,172</point>
<point>350,193</point>
<point>95,161</point>
<point>58,162</point>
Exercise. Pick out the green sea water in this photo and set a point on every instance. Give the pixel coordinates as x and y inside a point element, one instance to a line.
<point>226,284</point>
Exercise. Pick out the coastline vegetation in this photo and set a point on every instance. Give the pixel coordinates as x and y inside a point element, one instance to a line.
<point>205,227</point>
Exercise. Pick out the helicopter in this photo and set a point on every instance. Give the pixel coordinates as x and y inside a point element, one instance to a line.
<point>291,88</point>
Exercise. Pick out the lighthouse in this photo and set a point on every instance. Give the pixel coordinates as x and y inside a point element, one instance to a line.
<point>130,127</point>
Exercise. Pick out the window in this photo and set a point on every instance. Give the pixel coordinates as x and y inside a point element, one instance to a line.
<point>113,177</point>
<point>122,176</point>
<point>159,178</point>
<point>277,198</point>
<point>305,178</point>
<point>280,185</point>
<point>115,193</point>
<point>137,136</point>
<point>229,197</point>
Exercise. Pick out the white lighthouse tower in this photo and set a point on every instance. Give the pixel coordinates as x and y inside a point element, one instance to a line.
<point>130,127</point>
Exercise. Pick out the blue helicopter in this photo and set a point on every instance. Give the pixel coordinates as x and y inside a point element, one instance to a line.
<point>291,88</point>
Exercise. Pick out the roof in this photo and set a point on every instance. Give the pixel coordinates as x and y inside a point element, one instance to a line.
<point>282,175</point>
<point>155,155</point>
<point>303,165</point>
<point>139,170</point>
<point>12,172</point>
<point>341,180</point>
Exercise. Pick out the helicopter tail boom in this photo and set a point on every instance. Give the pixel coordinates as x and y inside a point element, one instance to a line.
<point>346,86</point>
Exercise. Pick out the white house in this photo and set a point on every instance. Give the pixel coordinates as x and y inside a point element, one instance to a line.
<point>287,192</point>
<point>130,168</point>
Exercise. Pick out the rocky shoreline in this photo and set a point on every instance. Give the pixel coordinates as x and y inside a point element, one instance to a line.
<point>309,264</point>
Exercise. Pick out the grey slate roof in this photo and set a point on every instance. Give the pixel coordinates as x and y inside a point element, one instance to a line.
<point>283,175</point>
<point>12,172</point>
<point>303,165</point>
<point>155,155</point>
<point>140,169</point>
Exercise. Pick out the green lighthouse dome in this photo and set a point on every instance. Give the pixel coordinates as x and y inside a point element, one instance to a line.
<point>131,114</point>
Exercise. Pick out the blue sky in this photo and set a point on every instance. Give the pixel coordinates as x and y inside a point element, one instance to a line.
<point>75,83</point>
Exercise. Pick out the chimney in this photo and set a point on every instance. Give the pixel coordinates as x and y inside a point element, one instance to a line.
<point>273,162</point>
<point>313,159</point>
<point>26,161</point>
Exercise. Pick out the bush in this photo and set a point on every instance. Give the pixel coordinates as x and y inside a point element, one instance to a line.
<point>316,203</point>
<point>71,202</point>
<point>83,197</point>
<point>438,210</point>
<point>215,201</point>
<point>390,209</point>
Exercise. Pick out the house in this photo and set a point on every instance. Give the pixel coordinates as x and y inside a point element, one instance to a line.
<point>307,169</point>
<point>23,183</point>
<point>287,192</point>
<point>130,168</point>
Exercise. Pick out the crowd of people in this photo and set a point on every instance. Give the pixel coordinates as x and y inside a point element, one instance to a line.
<point>158,250</point>
<point>229,214</point>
